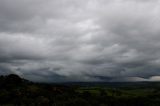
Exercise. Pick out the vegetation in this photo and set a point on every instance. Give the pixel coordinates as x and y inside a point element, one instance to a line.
<point>15,91</point>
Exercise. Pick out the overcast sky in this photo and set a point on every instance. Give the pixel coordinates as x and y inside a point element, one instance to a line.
<point>80,40</point>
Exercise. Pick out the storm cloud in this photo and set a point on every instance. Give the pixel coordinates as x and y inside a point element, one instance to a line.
<point>80,40</point>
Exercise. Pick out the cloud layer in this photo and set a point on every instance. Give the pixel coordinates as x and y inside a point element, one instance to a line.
<point>85,40</point>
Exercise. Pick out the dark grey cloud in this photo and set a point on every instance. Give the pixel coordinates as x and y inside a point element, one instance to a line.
<point>68,40</point>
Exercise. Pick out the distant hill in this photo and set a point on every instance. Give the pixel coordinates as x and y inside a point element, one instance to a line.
<point>11,81</point>
<point>115,84</point>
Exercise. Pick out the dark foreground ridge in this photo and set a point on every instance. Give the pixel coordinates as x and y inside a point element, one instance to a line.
<point>16,91</point>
